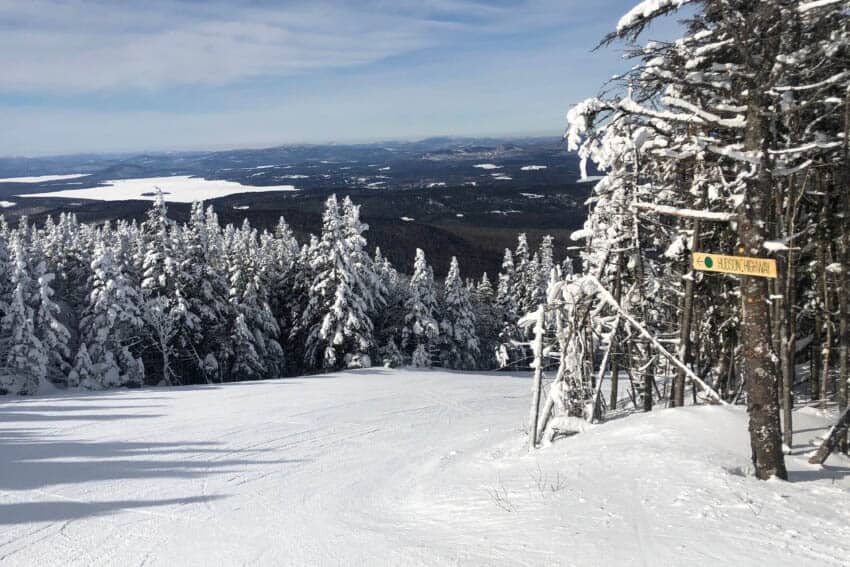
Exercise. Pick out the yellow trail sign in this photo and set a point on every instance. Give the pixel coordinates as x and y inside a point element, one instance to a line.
<point>742,265</point>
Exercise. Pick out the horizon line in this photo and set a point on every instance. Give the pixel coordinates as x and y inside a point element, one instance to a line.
<point>259,146</point>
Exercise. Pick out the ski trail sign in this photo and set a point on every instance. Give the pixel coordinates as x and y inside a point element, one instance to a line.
<point>741,265</point>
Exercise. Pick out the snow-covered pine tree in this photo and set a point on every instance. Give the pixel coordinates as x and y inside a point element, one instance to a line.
<point>389,321</point>
<point>546,264</point>
<point>202,279</point>
<point>164,307</point>
<point>343,292</point>
<point>459,341</point>
<point>248,297</point>
<point>5,268</point>
<point>23,357</point>
<point>112,325</point>
<point>54,335</point>
<point>523,277</point>
<point>507,308</point>
<point>487,322</point>
<point>83,372</point>
<point>284,277</point>
<point>421,327</point>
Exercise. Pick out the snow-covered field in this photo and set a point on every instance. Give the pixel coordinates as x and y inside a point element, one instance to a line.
<point>177,189</point>
<point>42,178</point>
<point>402,467</point>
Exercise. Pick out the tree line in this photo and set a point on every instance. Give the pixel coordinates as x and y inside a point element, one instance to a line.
<point>732,139</point>
<point>158,302</point>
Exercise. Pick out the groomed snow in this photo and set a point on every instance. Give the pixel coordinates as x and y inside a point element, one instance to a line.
<point>177,189</point>
<point>42,178</point>
<point>397,467</point>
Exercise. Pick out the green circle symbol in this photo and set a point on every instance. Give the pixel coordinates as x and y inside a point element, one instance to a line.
<point>708,262</point>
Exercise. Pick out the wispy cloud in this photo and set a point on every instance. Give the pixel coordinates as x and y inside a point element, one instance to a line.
<point>108,75</point>
<point>85,45</point>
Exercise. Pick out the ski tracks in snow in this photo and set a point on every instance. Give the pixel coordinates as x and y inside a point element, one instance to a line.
<point>390,467</point>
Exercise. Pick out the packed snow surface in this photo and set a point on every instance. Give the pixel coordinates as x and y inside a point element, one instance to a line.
<point>42,178</point>
<point>385,467</point>
<point>177,189</point>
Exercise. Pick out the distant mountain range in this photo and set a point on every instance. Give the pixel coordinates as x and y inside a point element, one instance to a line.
<point>451,196</point>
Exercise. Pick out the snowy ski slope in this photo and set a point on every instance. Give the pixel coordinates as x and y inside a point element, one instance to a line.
<point>396,467</point>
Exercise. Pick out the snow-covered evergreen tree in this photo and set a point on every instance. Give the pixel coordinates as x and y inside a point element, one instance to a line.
<point>113,321</point>
<point>389,321</point>
<point>83,372</point>
<point>53,334</point>
<point>487,322</point>
<point>344,291</point>
<point>459,340</point>
<point>421,327</point>
<point>23,357</point>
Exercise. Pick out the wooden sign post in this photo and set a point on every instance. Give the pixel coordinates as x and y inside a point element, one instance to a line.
<point>741,265</point>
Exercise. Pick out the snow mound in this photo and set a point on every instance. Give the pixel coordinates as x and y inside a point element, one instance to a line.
<point>6,204</point>
<point>532,167</point>
<point>487,166</point>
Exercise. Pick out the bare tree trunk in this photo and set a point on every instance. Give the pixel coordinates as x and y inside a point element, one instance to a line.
<point>787,290</point>
<point>843,280</point>
<point>760,372</point>
<point>678,394</point>
<point>615,368</point>
<point>815,358</point>
<point>538,377</point>
<point>833,437</point>
<point>648,384</point>
<point>822,261</point>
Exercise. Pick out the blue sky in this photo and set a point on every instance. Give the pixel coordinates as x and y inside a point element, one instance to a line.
<point>123,75</point>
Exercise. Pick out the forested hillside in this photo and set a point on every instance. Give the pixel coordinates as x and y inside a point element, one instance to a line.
<point>168,303</point>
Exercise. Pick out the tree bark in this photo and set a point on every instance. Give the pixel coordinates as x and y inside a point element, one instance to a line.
<point>678,394</point>
<point>843,280</point>
<point>538,377</point>
<point>615,368</point>
<point>836,433</point>
<point>823,277</point>
<point>786,286</point>
<point>760,373</point>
